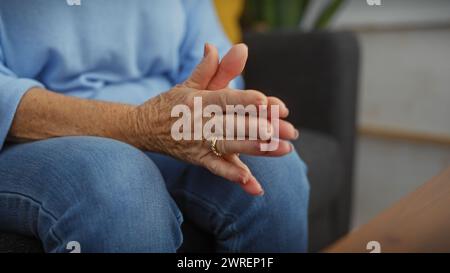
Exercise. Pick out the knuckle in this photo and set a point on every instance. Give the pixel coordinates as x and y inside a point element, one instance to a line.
<point>223,98</point>
<point>189,99</point>
<point>274,100</point>
<point>258,96</point>
<point>213,167</point>
<point>222,147</point>
<point>243,175</point>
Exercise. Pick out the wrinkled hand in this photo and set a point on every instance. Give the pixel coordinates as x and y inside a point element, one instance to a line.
<point>152,120</point>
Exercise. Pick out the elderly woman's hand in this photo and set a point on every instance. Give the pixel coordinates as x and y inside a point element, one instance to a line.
<point>153,120</point>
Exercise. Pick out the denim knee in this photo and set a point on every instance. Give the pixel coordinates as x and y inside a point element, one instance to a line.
<point>282,177</point>
<point>119,201</point>
<point>283,209</point>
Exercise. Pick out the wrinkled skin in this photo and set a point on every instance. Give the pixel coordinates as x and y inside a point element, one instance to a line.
<point>210,82</point>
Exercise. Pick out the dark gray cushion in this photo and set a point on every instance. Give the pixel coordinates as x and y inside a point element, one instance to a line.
<point>321,154</point>
<point>324,159</point>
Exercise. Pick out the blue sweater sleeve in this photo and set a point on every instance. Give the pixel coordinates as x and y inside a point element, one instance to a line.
<point>131,92</point>
<point>12,89</point>
<point>202,26</point>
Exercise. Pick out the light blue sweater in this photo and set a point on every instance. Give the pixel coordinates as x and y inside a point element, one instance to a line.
<point>114,50</point>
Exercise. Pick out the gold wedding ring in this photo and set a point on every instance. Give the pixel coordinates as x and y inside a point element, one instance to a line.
<point>213,147</point>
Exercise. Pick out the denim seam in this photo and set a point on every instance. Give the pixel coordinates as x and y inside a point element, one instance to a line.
<point>215,209</point>
<point>46,211</point>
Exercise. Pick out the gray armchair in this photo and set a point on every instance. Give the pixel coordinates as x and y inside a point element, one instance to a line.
<point>316,74</point>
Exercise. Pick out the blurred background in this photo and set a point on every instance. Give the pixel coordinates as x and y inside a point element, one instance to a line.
<point>403,91</point>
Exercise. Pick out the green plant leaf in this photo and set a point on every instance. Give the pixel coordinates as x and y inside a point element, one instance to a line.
<point>270,12</point>
<point>304,4</point>
<point>327,13</point>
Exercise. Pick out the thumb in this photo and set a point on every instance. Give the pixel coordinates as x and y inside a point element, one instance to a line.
<point>205,70</point>
<point>230,67</point>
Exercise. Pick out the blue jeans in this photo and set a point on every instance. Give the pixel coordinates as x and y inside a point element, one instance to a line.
<point>112,197</point>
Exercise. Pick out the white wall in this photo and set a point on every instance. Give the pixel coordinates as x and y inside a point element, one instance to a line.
<point>357,12</point>
<point>405,80</point>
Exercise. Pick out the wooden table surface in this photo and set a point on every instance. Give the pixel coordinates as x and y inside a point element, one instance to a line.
<point>420,222</point>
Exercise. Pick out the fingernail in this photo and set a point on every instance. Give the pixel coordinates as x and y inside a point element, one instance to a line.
<point>297,133</point>
<point>205,50</point>
<point>261,190</point>
<point>292,147</point>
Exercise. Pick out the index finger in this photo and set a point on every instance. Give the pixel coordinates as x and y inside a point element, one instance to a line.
<point>230,96</point>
